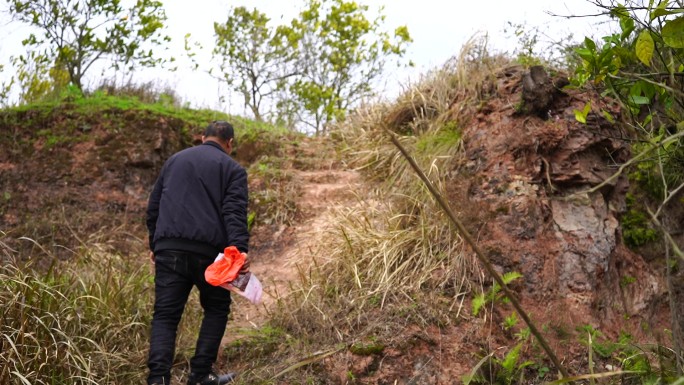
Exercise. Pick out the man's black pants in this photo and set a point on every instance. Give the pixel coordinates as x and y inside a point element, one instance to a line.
<point>175,274</point>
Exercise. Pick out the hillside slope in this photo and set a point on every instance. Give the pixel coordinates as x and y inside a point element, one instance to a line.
<point>518,176</point>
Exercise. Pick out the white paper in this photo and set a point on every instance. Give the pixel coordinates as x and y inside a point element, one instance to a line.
<point>253,290</point>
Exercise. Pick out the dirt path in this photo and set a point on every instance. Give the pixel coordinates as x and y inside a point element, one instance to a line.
<point>322,192</point>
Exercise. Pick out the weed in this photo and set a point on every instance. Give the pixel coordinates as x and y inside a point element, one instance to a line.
<point>274,192</point>
<point>256,344</point>
<point>627,280</point>
<point>510,321</point>
<point>439,142</point>
<point>493,294</point>
<point>636,228</point>
<point>350,376</point>
<point>523,335</point>
<point>647,364</point>
<point>251,216</point>
<point>561,331</point>
<point>595,340</point>
<point>507,370</point>
<point>367,348</point>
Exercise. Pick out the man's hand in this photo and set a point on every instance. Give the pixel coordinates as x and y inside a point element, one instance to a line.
<point>245,266</point>
<point>152,257</point>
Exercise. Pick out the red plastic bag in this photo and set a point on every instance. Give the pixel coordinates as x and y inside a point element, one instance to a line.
<point>225,269</point>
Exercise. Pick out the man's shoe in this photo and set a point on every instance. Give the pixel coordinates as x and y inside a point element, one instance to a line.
<point>210,379</point>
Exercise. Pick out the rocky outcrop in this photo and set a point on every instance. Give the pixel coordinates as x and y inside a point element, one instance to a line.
<point>534,176</point>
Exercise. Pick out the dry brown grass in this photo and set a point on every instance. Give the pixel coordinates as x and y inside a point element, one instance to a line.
<point>82,321</point>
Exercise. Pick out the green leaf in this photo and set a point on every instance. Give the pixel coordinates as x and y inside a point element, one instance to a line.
<point>639,100</point>
<point>661,10</point>
<point>673,32</point>
<point>478,302</point>
<point>589,44</point>
<point>510,321</point>
<point>473,373</point>
<point>620,12</point>
<point>645,47</point>
<point>581,116</point>
<point>511,359</point>
<point>656,139</point>
<point>627,25</point>
<point>609,117</point>
<point>510,277</point>
<point>585,54</point>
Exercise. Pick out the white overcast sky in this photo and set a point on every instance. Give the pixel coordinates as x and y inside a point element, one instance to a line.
<point>439,28</point>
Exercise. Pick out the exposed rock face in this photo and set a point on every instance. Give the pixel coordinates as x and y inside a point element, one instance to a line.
<point>96,175</point>
<point>532,174</point>
<point>586,234</point>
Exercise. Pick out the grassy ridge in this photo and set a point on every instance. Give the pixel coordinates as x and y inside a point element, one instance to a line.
<point>195,119</point>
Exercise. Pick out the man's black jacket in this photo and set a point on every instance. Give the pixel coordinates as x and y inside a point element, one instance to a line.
<point>199,203</point>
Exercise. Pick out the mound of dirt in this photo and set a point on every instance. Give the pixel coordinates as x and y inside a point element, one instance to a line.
<point>66,175</point>
<point>69,173</point>
<point>534,176</point>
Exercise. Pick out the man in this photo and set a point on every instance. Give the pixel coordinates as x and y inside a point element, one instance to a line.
<point>197,208</point>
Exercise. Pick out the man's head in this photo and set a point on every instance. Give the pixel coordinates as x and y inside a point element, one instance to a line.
<point>221,132</point>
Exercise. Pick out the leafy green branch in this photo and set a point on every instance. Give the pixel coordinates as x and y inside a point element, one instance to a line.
<point>642,68</point>
<point>75,34</point>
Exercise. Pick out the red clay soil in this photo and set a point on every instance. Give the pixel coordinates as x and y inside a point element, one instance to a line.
<point>531,175</point>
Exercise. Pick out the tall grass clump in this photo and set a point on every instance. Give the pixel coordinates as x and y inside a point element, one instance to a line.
<point>79,322</point>
<point>393,258</point>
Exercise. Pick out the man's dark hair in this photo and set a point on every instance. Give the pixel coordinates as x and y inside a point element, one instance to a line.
<point>221,129</point>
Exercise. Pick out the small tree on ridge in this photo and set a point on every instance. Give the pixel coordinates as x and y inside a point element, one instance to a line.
<point>74,34</point>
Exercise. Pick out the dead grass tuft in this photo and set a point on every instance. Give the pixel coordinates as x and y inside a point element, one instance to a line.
<point>442,95</point>
<point>147,92</point>
<point>81,321</point>
<point>274,192</point>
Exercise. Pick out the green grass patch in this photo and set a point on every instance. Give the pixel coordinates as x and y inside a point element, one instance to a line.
<point>439,142</point>
<point>109,106</point>
<point>256,344</point>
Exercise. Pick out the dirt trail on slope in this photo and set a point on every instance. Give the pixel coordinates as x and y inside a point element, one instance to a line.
<point>290,249</point>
